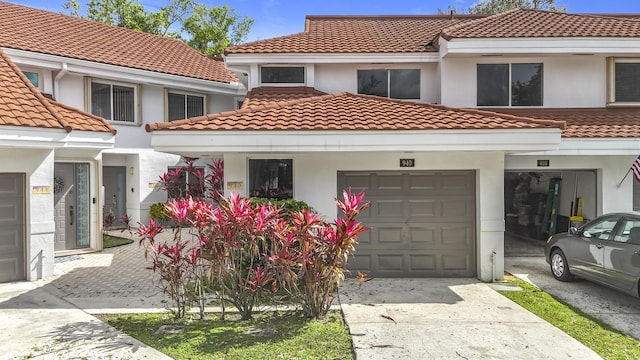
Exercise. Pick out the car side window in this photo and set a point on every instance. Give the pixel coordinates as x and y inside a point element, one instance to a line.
<point>629,232</point>
<point>600,230</point>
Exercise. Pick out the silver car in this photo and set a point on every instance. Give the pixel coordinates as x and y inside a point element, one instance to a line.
<point>605,250</point>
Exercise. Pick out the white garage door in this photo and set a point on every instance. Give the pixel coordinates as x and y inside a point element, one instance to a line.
<point>12,242</point>
<point>422,223</point>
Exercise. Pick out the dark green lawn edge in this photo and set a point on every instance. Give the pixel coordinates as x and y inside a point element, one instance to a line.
<point>593,333</point>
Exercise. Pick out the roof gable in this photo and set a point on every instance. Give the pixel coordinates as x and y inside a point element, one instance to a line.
<point>21,104</point>
<point>346,111</point>
<point>40,31</point>
<point>358,34</point>
<point>529,23</point>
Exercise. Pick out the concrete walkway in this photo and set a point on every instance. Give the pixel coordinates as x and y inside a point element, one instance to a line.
<point>388,318</point>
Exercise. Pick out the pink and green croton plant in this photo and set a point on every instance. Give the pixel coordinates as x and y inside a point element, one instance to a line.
<point>245,254</point>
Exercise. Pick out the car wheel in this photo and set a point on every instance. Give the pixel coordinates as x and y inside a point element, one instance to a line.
<point>559,266</point>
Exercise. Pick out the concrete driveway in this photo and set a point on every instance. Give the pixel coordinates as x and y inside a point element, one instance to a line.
<point>447,319</point>
<point>618,310</point>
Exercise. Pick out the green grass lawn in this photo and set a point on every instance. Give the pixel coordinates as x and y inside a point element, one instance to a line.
<point>599,337</point>
<point>109,241</point>
<point>270,335</point>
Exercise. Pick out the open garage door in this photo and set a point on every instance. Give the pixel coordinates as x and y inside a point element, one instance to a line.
<point>422,223</point>
<point>12,241</point>
<point>542,203</point>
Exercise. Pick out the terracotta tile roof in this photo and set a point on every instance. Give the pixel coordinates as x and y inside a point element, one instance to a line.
<point>519,23</point>
<point>45,32</point>
<point>270,94</point>
<point>358,34</point>
<point>21,104</point>
<point>346,111</point>
<point>589,122</point>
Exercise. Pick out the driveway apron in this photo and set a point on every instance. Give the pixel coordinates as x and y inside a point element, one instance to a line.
<point>439,318</point>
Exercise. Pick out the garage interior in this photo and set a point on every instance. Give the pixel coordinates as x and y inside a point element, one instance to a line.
<point>542,203</point>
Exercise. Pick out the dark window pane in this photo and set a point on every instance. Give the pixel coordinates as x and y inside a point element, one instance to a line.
<point>627,82</point>
<point>34,77</point>
<point>195,106</point>
<point>123,103</point>
<point>373,82</point>
<point>280,74</point>
<point>493,84</point>
<point>526,84</point>
<point>405,84</point>
<point>176,106</point>
<point>271,178</point>
<point>101,100</point>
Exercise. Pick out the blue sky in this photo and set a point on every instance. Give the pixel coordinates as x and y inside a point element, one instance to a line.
<point>282,17</point>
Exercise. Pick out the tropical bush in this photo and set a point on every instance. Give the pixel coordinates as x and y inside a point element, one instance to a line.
<point>246,252</point>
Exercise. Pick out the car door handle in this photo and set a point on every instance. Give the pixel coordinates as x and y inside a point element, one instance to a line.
<point>637,252</point>
<point>599,246</point>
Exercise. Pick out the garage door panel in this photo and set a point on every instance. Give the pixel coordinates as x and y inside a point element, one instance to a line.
<point>421,236</point>
<point>456,236</point>
<point>10,211</point>
<point>423,208</point>
<point>424,181</point>
<point>10,239</point>
<point>360,262</point>
<point>456,208</point>
<point>391,262</point>
<point>424,227</point>
<point>422,263</point>
<point>455,262</point>
<point>458,182</point>
<point>389,182</point>
<point>388,208</point>
<point>389,236</point>
<point>357,182</point>
<point>12,253</point>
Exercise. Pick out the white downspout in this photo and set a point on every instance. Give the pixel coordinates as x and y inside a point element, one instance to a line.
<point>56,82</point>
<point>493,266</point>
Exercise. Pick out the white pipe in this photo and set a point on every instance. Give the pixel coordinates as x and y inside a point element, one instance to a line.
<point>56,82</point>
<point>493,266</point>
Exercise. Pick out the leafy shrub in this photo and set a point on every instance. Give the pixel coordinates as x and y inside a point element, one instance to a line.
<point>248,251</point>
<point>287,206</point>
<point>158,212</point>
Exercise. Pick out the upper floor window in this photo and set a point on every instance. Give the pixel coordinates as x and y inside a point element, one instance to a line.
<point>113,101</point>
<point>34,77</point>
<point>392,83</point>
<point>626,81</point>
<point>509,84</point>
<point>184,106</point>
<point>282,74</point>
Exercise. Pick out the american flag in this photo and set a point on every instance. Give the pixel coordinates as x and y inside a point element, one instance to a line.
<point>636,169</point>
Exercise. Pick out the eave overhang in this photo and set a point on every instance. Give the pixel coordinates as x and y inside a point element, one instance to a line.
<point>217,142</point>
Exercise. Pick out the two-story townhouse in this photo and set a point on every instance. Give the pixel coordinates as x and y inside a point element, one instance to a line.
<point>50,153</point>
<point>443,181</point>
<point>128,77</point>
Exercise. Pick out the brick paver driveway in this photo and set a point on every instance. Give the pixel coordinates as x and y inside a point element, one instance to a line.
<point>115,278</point>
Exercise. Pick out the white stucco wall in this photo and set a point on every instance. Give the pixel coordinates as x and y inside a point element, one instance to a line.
<point>332,78</point>
<point>315,182</point>
<point>568,81</point>
<point>71,91</point>
<point>40,227</point>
